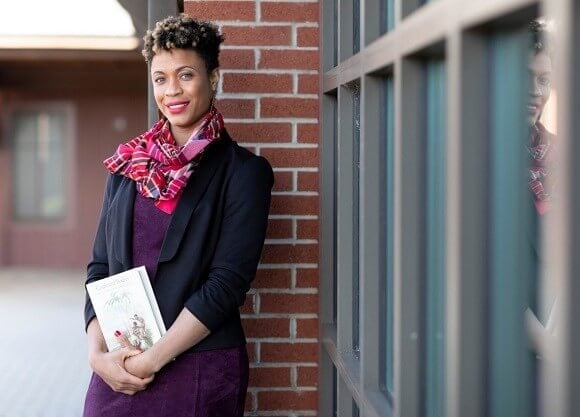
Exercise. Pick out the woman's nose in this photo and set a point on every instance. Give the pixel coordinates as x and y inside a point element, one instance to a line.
<point>535,89</point>
<point>173,88</point>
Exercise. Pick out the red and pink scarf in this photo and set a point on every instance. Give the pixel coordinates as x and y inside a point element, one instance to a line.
<point>160,167</point>
<point>541,149</point>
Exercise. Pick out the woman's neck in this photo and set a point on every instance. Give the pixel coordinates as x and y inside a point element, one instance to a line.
<point>182,135</point>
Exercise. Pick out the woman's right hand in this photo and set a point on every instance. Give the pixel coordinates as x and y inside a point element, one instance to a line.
<point>111,368</point>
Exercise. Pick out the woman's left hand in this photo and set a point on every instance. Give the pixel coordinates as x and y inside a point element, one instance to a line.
<point>141,365</point>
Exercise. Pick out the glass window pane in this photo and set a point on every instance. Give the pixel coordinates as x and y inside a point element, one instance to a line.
<point>510,214</point>
<point>435,239</point>
<point>387,239</point>
<point>335,217</point>
<point>387,13</point>
<point>355,26</point>
<point>356,219</point>
<point>39,164</point>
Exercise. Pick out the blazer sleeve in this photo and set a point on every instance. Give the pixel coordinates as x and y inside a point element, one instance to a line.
<point>239,245</point>
<point>98,266</point>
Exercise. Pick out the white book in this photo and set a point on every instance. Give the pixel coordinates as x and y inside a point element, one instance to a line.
<point>126,302</point>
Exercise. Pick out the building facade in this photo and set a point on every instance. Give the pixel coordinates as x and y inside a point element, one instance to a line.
<point>407,271</point>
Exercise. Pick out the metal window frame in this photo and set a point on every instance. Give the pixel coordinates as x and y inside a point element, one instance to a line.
<point>459,25</point>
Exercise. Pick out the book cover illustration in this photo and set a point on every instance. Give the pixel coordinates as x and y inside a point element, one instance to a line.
<point>125,302</point>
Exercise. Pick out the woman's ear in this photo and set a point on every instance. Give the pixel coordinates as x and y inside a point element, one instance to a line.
<point>214,78</point>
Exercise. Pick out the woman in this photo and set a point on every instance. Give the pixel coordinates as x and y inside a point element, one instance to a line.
<point>187,202</point>
<point>541,147</point>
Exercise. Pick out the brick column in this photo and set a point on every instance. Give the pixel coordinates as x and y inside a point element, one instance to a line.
<point>269,97</point>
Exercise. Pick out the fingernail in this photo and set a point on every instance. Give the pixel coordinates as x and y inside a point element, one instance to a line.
<point>117,333</point>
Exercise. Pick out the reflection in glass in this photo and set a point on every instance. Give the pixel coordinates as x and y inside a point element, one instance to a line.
<point>435,239</point>
<point>542,153</point>
<point>39,162</point>
<point>510,371</point>
<point>356,220</point>
<point>355,26</point>
<point>387,240</point>
<point>387,13</point>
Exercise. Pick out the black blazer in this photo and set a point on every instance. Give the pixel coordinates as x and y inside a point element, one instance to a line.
<point>212,246</point>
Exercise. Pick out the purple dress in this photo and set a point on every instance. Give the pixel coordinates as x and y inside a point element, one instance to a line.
<point>200,384</point>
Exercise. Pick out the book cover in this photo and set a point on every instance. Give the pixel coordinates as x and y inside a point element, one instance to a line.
<point>126,302</point>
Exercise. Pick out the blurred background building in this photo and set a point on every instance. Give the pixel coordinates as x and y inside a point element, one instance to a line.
<point>405,272</point>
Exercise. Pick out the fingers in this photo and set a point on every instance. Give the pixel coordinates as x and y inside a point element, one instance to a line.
<point>122,339</point>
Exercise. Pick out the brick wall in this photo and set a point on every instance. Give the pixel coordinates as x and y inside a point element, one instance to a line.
<point>269,97</point>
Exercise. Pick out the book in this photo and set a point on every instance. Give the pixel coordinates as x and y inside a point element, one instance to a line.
<point>125,302</point>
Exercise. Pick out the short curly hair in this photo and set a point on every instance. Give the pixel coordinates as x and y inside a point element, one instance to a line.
<point>183,32</point>
<point>540,37</point>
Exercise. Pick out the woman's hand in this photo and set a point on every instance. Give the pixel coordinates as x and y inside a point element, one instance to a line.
<point>140,364</point>
<point>110,366</point>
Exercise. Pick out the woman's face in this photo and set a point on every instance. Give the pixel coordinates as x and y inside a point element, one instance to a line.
<point>541,85</point>
<point>183,89</point>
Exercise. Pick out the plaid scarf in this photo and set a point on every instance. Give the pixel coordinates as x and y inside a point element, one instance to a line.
<point>159,167</point>
<point>540,179</point>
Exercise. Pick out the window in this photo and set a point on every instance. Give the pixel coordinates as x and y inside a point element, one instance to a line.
<point>39,138</point>
<point>434,297</point>
<point>433,261</point>
<point>356,219</point>
<point>510,217</point>
<point>386,287</point>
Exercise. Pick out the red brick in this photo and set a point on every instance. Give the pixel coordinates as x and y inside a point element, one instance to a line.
<point>288,352</point>
<point>307,376</point>
<point>270,377</point>
<point>289,12</point>
<point>308,84</point>
<point>291,157</point>
<point>308,36</point>
<point>266,327</point>
<point>251,401</point>
<point>277,254</point>
<point>289,107</point>
<point>307,229</point>
<point>257,83</point>
<point>288,303</point>
<point>307,328</point>
<point>283,181</point>
<point>248,307</point>
<point>251,348</point>
<point>280,229</point>
<point>237,59</point>
<point>289,59</point>
<point>272,278</point>
<point>287,400</point>
<point>296,204</point>
<point>307,278</point>
<point>221,10</point>
<point>308,133</point>
<point>257,35</point>
<point>237,108</point>
<point>261,132</point>
<point>308,181</point>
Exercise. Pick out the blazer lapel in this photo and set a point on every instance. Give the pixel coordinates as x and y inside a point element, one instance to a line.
<point>189,200</point>
<point>121,213</point>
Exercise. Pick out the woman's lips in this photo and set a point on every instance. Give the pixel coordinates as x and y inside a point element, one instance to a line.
<point>532,108</point>
<point>177,107</point>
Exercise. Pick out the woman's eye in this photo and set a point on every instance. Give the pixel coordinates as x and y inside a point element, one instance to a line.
<point>186,76</point>
<point>544,80</point>
<point>158,80</point>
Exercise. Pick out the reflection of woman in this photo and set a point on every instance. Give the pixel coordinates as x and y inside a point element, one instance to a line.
<point>541,146</point>
<point>187,202</point>
<point>542,150</point>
